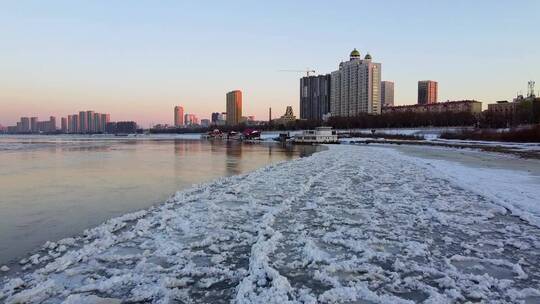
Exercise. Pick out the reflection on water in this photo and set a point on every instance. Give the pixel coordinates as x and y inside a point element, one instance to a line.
<point>55,187</point>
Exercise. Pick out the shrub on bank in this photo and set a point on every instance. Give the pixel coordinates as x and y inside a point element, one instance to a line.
<point>386,136</point>
<point>531,134</point>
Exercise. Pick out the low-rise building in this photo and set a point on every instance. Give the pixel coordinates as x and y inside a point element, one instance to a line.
<point>503,107</point>
<point>122,127</point>
<point>287,118</point>
<point>470,106</point>
<point>205,122</point>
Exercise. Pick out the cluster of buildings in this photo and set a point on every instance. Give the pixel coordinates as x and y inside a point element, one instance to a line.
<point>506,108</point>
<point>460,106</point>
<point>182,119</point>
<point>356,88</point>
<point>232,116</point>
<point>85,122</point>
<point>352,89</point>
<point>29,125</point>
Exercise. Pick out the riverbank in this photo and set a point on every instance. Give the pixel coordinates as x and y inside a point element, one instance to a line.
<point>354,223</point>
<point>529,134</point>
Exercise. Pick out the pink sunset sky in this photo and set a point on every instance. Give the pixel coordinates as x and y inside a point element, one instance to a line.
<point>137,60</point>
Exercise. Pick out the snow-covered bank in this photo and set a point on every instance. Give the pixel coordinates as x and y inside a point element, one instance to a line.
<point>518,191</point>
<point>351,224</point>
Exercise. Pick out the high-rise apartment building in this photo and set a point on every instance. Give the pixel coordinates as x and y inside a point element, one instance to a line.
<point>314,96</point>
<point>178,116</point>
<point>215,117</point>
<point>97,122</point>
<point>427,91</point>
<point>52,124</point>
<point>190,119</point>
<point>34,124</point>
<point>105,119</point>
<point>83,122</point>
<point>25,125</point>
<point>355,87</point>
<point>234,107</point>
<point>387,93</point>
<point>64,124</point>
<point>73,123</point>
<point>90,122</point>
<point>218,119</point>
<point>70,124</point>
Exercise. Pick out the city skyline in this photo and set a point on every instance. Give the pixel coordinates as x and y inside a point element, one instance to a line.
<point>65,56</point>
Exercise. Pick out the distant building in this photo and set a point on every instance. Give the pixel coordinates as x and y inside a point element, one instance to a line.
<point>71,128</point>
<point>190,120</point>
<point>218,119</point>
<point>110,128</point>
<point>48,126</point>
<point>314,96</point>
<point>178,116</point>
<point>97,123</point>
<point>52,124</point>
<point>427,92</point>
<point>125,127</point>
<point>105,119</point>
<point>73,123</point>
<point>387,93</point>
<point>33,124</point>
<point>469,106</point>
<point>536,109</point>
<point>205,123</point>
<point>25,125</point>
<point>83,122</point>
<point>64,125</point>
<point>215,117</point>
<point>234,107</point>
<point>90,122</point>
<point>503,107</point>
<point>355,87</point>
<point>287,119</point>
<point>506,108</point>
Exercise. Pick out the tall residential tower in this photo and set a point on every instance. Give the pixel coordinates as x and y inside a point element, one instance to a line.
<point>355,87</point>
<point>427,91</point>
<point>314,96</point>
<point>234,107</point>
<point>387,93</point>
<point>178,116</point>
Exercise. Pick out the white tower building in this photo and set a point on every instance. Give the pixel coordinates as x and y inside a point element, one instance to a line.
<point>355,87</point>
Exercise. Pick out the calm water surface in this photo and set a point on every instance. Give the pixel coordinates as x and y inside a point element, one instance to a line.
<point>53,187</point>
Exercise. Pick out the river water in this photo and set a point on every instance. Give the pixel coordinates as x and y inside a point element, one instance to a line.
<point>52,187</point>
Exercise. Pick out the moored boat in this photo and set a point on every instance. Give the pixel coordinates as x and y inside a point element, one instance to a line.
<point>321,135</point>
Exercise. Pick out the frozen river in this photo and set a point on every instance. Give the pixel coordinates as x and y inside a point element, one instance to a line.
<point>52,187</point>
<point>354,224</point>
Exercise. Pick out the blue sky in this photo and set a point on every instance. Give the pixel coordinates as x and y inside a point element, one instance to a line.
<point>137,59</point>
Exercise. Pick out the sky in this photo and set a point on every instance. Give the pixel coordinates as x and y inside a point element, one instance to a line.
<point>138,59</point>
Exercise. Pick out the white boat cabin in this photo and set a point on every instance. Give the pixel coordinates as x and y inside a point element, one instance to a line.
<point>321,135</point>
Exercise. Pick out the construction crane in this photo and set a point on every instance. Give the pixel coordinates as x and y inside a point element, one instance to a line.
<point>307,71</point>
